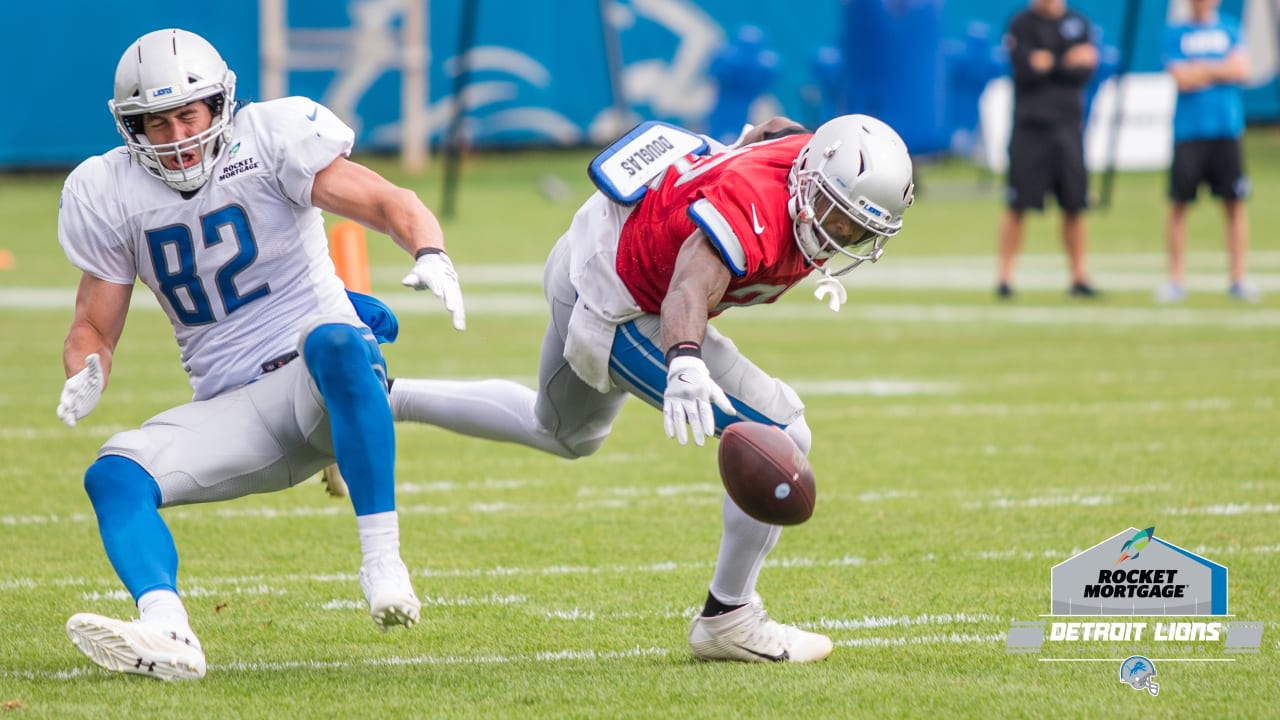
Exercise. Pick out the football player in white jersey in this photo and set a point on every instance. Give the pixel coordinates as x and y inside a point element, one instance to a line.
<point>217,210</point>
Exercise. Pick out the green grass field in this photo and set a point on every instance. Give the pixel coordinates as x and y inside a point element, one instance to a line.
<point>962,448</point>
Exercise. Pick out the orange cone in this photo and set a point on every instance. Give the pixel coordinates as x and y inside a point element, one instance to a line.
<point>350,256</point>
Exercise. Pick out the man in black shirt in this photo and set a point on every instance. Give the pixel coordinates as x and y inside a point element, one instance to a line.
<point>1052,55</point>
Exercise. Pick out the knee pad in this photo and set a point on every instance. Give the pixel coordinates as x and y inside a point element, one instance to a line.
<point>115,481</point>
<point>335,353</point>
<point>800,434</point>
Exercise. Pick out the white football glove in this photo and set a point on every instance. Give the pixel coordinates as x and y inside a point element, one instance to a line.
<point>80,393</point>
<point>434,272</point>
<point>828,285</point>
<point>690,392</point>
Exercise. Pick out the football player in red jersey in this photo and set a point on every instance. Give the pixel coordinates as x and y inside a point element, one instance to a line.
<point>632,288</point>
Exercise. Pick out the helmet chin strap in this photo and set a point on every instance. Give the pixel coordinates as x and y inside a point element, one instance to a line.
<point>802,218</point>
<point>829,288</point>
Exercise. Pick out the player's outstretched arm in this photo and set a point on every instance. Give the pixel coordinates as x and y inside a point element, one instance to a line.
<point>101,308</point>
<point>354,191</point>
<point>698,282</point>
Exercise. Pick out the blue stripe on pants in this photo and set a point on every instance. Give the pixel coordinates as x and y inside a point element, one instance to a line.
<point>636,360</point>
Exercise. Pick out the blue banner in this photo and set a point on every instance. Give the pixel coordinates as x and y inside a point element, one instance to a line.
<point>538,73</point>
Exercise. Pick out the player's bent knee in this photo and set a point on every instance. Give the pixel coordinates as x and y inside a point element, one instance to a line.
<point>582,447</point>
<point>114,480</point>
<point>330,347</point>
<point>569,447</point>
<point>586,437</point>
<point>337,353</point>
<point>801,435</point>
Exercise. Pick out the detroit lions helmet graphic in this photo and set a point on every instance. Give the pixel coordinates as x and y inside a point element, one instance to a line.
<point>1138,673</point>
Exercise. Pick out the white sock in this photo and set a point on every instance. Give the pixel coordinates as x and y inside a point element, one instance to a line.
<point>379,534</point>
<point>164,608</point>
<point>743,548</point>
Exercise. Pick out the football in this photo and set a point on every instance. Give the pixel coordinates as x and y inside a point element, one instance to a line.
<point>765,473</point>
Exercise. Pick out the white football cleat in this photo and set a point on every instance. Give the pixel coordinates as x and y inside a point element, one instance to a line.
<point>333,482</point>
<point>748,635</point>
<point>387,587</point>
<point>137,648</point>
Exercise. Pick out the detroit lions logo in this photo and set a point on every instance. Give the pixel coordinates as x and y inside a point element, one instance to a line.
<point>1138,672</point>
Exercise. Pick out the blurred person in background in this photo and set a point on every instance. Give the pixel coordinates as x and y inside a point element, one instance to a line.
<point>216,208</point>
<point>1208,62</point>
<point>1053,56</point>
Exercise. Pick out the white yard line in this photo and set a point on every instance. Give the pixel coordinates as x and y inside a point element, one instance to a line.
<point>1108,409</point>
<point>533,305</point>
<point>345,604</point>
<point>1072,315</point>
<point>872,387</point>
<point>627,498</point>
<point>206,586</point>
<point>828,388</point>
<point>394,661</point>
<point>1227,509</point>
<point>947,639</point>
<point>1038,271</point>
<point>883,621</point>
<point>545,656</point>
<point>1074,500</point>
<point>520,294</point>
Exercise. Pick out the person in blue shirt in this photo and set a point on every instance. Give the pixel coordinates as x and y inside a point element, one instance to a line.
<point>1208,62</point>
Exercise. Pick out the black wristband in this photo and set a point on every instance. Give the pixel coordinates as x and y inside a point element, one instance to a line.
<point>684,349</point>
<point>427,251</point>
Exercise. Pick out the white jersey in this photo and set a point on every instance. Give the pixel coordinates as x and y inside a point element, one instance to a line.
<point>240,265</point>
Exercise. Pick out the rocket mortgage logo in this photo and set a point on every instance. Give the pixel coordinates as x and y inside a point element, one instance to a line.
<point>1140,604</point>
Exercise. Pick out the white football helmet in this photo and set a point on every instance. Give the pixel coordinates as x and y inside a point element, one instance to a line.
<point>849,187</point>
<point>167,69</point>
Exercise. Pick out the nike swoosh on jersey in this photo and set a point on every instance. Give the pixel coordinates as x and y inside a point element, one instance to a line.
<point>314,113</point>
<point>755,221</point>
<point>772,658</point>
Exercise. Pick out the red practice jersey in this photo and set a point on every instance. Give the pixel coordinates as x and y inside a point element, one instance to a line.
<point>738,198</point>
